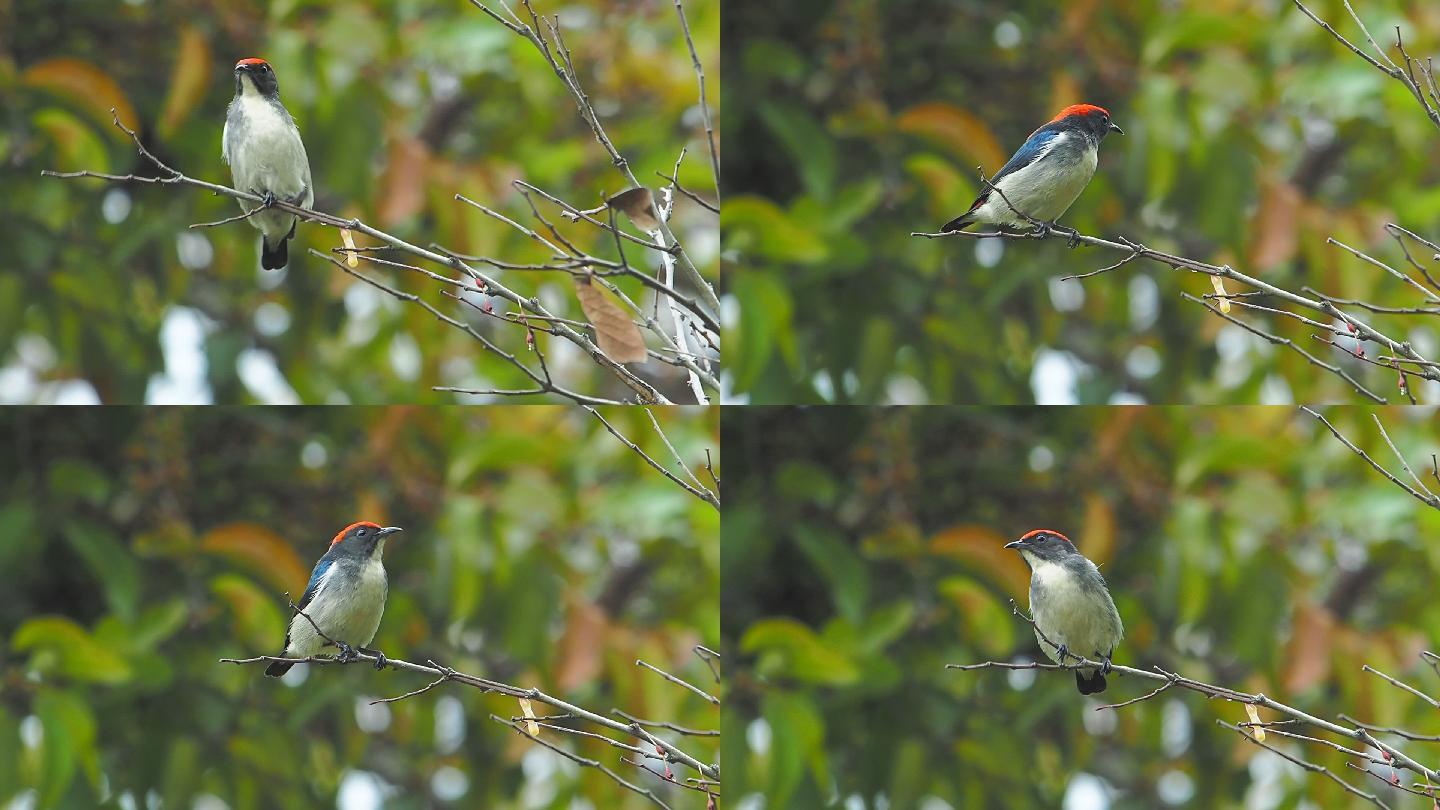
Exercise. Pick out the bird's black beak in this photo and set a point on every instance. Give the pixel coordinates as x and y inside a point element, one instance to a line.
<point>388,530</point>
<point>1015,544</point>
<point>1114,128</point>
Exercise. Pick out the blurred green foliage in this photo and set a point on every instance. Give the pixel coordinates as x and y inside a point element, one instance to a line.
<point>402,106</point>
<point>1251,137</point>
<point>863,551</point>
<point>137,546</point>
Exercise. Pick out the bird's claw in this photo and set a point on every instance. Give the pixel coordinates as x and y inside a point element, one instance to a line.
<point>380,660</point>
<point>1105,665</point>
<point>347,653</point>
<point>267,199</point>
<point>1063,652</point>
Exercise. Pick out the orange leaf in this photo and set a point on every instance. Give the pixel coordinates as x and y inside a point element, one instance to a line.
<point>617,335</point>
<point>955,129</point>
<point>581,646</point>
<point>1308,652</point>
<point>1098,540</point>
<point>256,548</point>
<point>87,86</point>
<point>1276,225</point>
<point>984,548</point>
<point>188,81</point>
<point>402,186</point>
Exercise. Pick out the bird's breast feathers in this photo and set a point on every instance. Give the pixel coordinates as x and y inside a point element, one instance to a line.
<point>263,147</point>
<point>1083,619</point>
<point>1043,179</point>
<point>348,603</point>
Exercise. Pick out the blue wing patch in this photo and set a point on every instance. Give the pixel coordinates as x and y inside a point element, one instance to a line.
<point>315,577</point>
<point>1031,149</point>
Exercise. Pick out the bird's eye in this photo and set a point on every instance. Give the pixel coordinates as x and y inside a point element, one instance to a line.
<point>359,532</point>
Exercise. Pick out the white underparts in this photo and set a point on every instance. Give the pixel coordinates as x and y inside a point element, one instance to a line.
<point>1046,188</point>
<point>1082,620</point>
<point>349,614</point>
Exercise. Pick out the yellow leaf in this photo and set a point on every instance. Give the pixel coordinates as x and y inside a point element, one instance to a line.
<point>1219,285</point>
<point>349,240</point>
<point>529,711</point>
<point>1258,731</point>
<point>188,81</point>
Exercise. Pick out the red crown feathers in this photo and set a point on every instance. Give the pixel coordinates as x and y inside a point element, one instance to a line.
<point>1031,534</point>
<point>254,60</point>
<point>367,524</point>
<point>1078,109</point>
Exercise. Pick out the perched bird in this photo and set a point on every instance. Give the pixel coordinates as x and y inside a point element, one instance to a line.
<point>1071,605</point>
<point>266,156</point>
<point>344,598</point>
<point>1046,175</point>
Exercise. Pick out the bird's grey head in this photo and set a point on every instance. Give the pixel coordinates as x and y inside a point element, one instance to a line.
<point>361,539</point>
<point>259,75</point>
<point>1094,122</point>
<point>1046,545</point>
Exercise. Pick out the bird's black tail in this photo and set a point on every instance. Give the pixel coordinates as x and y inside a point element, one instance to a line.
<point>278,668</point>
<point>274,257</point>
<point>959,223</point>
<point>1088,686</point>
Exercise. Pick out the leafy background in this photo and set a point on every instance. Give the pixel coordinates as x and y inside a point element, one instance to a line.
<point>105,293</point>
<point>137,546</point>
<point>1251,136</point>
<point>1244,546</point>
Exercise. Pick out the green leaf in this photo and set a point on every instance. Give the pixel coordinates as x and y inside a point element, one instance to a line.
<point>788,649</point>
<point>765,326</point>
<point>116,569</point>
<point>79,479</point>
<point>796,731</point>
<point>68,740</point>
<point>810,146</point>
<point>258,623</point>
<point>63,646</point>
<point>759,227</point>
<point>885,625</point>
<point>841,567</point>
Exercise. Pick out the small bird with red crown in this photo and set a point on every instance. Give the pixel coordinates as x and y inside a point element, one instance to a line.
<point>267,158</point>
<point>343,600</point>
<point>1073,612</point>
<point>1046,175</point>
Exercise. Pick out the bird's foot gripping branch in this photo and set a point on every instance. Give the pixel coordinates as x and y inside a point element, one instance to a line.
<point>648,745</point>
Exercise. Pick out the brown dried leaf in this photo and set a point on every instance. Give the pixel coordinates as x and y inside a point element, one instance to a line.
<point>617,335</point>
<point>639,205</point>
